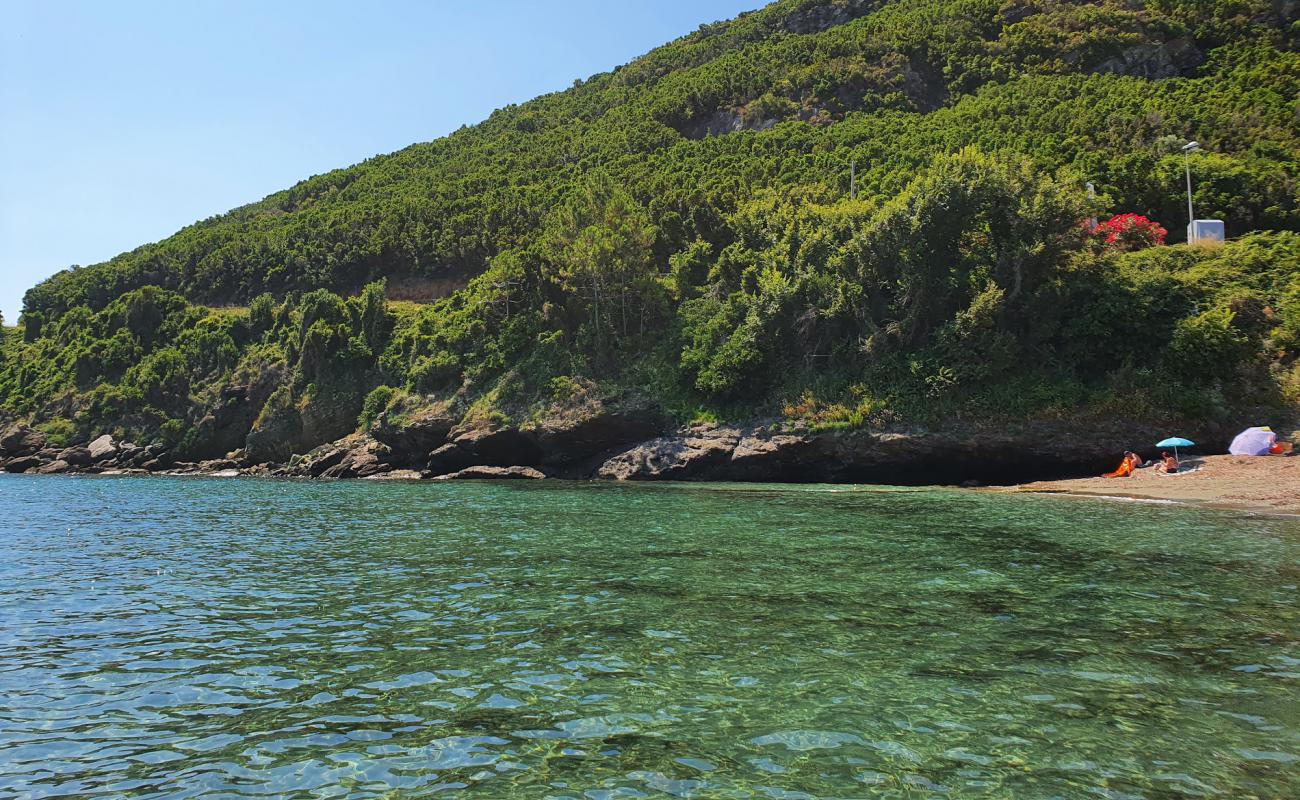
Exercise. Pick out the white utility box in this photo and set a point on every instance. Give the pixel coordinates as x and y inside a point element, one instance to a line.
<point>1205,231</point>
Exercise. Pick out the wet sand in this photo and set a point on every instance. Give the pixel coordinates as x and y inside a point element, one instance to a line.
<point>1265,483</point>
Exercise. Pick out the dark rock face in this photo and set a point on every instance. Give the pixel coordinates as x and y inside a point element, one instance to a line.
<point>275,432</point>
<point>1155,61</point>
<point>412,438</point>
<point>502,447</point>
<point>916,457</point>
<point>54,468</point>
<point>816,17</point>
<point>129,454</point>
<point>493,474</point>
<point>20,440</point>
<point>449,458</point>
<point>574,440</point>
<point>232,414</point>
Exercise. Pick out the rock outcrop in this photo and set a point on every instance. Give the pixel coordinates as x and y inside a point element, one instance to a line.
<point>22,464</point>
<point>574,438</point>
<point>363,458</point>
<point>591,440</point>
<point>412,435</point>
<point>76,456</point>
<point>1155,60</point>
<point>498,447</point>
<point>449,458</point>
<point>679,457</point>
<point>907,457</point>
<point>493,474</point>
<point>20,440</point>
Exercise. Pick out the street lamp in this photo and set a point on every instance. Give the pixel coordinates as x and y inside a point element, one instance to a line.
<point>1188,149</point>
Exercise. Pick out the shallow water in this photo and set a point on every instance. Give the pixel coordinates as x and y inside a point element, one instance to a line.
<point>235,638</point>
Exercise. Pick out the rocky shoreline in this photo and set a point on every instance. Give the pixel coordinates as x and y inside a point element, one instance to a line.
<point>610,445</point>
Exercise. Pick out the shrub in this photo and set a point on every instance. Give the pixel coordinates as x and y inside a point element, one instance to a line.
<point>380,399</point>
<point>1127,232</point>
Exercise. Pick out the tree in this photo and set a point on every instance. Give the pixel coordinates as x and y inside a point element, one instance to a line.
<point>969,220</point>
<point>599,243</point>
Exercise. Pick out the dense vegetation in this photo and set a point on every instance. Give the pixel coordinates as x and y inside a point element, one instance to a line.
<point>683,228</point>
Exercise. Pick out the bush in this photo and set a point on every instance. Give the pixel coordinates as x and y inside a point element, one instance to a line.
<point>1209,347</point>
<point>1126,232</point>
<point>380,399</point>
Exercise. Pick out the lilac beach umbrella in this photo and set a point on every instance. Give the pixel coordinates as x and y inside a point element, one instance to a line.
<point>1253,442</point>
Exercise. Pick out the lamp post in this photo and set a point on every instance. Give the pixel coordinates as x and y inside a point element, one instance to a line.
<point>1188,149</point>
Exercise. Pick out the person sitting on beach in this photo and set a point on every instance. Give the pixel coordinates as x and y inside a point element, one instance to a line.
<point>1168,464</point>
<point>1131,462</point>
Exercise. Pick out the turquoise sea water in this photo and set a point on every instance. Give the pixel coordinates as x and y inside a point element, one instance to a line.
<point>237,638</point>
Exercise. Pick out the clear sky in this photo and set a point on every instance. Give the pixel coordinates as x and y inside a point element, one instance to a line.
<point>123,121</point>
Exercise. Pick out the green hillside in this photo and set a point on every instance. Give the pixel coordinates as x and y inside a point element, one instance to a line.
<point>680,233</point>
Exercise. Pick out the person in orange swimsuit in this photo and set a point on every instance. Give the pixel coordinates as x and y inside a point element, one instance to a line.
<point>1131,462</point>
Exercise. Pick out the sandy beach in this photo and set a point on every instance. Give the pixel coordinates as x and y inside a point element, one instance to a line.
<point>1265,483</point>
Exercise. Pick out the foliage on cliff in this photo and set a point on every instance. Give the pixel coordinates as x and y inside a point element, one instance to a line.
<point>682,227</point>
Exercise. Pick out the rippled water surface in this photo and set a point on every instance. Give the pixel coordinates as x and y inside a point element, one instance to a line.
<point>210,638</point>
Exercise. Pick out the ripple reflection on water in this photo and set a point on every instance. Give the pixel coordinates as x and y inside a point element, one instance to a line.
<point>183,638</point>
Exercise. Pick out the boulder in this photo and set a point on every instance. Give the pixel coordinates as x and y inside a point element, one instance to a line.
<point>397,475</point>
<point>493,474</point>
<point>54,468</point>
<point>22,464</point>
<point>102,449</point>
<point>155,458</point>
<point>76,456</point>
<point>322,459</point>
<point>673,457</point>
<point>218,465</point>
<point>20,440</point>
<point>363,457</point>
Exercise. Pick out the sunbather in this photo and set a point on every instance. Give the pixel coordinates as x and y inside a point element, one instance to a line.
<point>1168,464</point>
<point>1131,462</point>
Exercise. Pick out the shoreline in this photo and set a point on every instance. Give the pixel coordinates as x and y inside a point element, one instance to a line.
<point>610,446</point>
<point>1260,485</point>
<point>1264,484</point>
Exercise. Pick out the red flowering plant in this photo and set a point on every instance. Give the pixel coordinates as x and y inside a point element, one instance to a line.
<point>1128,232</point>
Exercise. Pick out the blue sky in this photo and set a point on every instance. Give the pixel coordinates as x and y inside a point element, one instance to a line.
<point>121,122</point>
